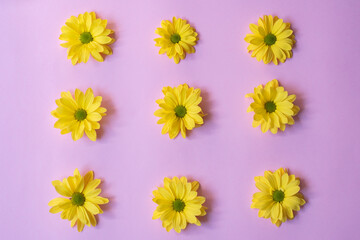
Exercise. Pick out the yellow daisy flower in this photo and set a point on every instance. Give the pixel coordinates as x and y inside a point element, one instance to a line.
<point>79,115</point>
<point>271,40</point>
<point>178,204</point>
<point>273,107</point>
<point>279,196</point>
<point>179,110</point>
<point>85,35</point>
<point>177,38</point>
<point>82,201</point>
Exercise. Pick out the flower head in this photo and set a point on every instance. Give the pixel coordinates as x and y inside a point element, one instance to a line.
<point>81,202</point>
<point>273,107</point>
<point>79,115</point>
<point>179,110</point>
<point>279,196</point>
<point>270,40</point>
<point>177,38</point>
<point>178,204</point>
<point>85,35</point>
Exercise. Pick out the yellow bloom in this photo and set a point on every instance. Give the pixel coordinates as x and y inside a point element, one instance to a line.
<point>279,196</point>
<point>82,201</point>
<point>178,204</point>
<point>271,40</point>
<point>177,38</point>
<point>179,110</point>
<point>273,107</point>
<point>85,35</point>
<point>79,114</point>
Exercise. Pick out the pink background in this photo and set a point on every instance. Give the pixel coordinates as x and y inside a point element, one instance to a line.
<point>132,157</point>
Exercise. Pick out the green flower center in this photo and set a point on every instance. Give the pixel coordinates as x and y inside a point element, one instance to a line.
<point>180,111</point>
<point>270,107</point>
<point>178,205</point>
<point>85,37</point>
<point>78,199</point>
<point>278,196</point>
<point>270,39</point>
<point>175,38</point>
<point>80,114</point>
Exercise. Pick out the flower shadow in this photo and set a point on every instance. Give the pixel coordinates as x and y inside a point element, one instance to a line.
<point>303,188</point>
<point>113,25</point>
<point>301,102</point>
<point>209,202</point>
<point>206,106</point>
<point>107,208</point>
<point>110,107</point>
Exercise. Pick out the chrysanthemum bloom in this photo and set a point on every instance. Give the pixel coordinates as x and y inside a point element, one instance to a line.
<point>177,38</point>
<point>79,115</point>
<point>279,196</point>
<point>273,107</point>
<point>82,201</point>
<point>271,40</point>
<point>178,204</point>
<point>179,110</point>
<point>85,35</point>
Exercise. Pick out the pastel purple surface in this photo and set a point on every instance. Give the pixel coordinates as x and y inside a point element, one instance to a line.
<point>132,157</point>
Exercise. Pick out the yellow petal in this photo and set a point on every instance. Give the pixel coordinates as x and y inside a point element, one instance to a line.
<point>102,39</point>
<point>94,116</point>
<point>58,201</point>
<point>98,200</point>
<point>91,134</point>
<point>91,185</point>
<point>292,191</point>
<point>62,190</point>
<point>80,226</point>
<point>91,207</point>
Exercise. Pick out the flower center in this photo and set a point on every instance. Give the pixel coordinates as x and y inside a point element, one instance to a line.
<point>270,107</point>
<point>78,199</point>
<point>270,39</point>
<point>278,196</point>
<point>180,111</point>
<point>178,205</point>
<point>86,37</point>
<point>175,38</point>
<point>80,114</point>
